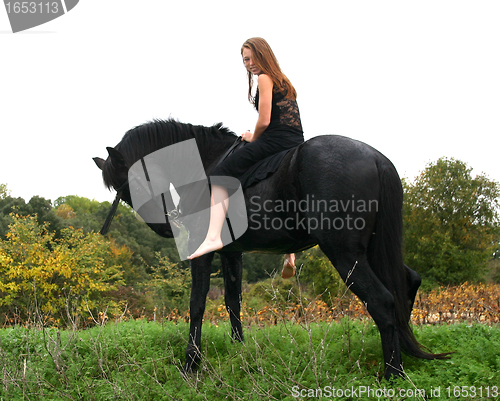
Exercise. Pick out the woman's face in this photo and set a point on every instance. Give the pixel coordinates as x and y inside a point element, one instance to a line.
<point>248,62</point>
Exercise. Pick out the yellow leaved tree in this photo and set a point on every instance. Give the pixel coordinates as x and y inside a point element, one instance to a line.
<point>44,278</point>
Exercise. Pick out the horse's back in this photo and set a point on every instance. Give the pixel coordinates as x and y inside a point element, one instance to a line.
<point>324,186</point>
<point>338,166</point>
<point>338,149</point>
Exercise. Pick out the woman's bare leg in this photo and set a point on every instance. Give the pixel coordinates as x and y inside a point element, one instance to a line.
<point>288,266</point>
<point>213,242</point>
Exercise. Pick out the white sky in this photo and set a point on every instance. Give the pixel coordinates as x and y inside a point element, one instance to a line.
<point>417,80</point>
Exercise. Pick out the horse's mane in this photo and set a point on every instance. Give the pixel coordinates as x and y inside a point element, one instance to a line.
<point>157,134</point>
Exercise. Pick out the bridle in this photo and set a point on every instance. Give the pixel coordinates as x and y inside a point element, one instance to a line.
<point>114,207</point>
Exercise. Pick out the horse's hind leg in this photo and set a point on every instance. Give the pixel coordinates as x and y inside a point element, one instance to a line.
<point>232,268</point>
<point>414,282</point>
<point>360,278</point>
<point>200,273</point>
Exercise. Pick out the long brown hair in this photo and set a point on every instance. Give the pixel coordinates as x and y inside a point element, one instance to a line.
<point>265,60</point>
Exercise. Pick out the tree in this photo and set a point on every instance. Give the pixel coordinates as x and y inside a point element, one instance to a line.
<point>451,222</point>
<point>81,212</point>
<point>55,277</point>
<point>65,212</point>
<point>258,266</point>
<point>37,206</point>
<point>318,273</point>
<point>4,192</point>
<point>170,282</point>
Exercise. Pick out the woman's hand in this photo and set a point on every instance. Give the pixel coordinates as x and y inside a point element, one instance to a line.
<point>247,136</point>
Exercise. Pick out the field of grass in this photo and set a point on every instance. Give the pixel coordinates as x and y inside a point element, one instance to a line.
<point>140,360</point>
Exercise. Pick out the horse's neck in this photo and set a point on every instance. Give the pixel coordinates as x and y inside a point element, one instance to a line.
<point>211,155</point>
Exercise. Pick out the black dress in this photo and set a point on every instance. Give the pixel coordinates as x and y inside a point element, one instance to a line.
<point>283,133</point>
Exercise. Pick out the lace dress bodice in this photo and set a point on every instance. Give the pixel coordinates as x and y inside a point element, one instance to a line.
<point>284,113</point>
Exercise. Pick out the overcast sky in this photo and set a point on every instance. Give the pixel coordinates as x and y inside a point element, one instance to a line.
<point>417,80</point>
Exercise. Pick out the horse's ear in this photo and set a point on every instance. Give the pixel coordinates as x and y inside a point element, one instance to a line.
<point>99,162</point>
<point>116,158</point>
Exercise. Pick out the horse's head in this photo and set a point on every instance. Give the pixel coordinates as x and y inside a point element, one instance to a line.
<point>115,176</point>
<point>143,140</point>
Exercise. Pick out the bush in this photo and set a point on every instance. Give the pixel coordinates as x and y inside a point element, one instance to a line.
<point>43,278</point>
<point>319,275</point>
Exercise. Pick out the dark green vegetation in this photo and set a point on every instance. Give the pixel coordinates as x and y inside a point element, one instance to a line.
<point>137,360</point>
<point>451,223</point>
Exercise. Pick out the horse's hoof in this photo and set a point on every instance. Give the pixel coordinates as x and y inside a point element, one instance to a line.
<point>193,358</point>
<point>237,338</point>
<point>393,374</point>
<point>187,370</point>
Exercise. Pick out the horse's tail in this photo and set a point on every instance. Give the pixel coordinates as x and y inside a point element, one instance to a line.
<point>385,255</point>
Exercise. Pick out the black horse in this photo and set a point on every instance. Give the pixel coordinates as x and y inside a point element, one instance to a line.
<point>331,190</point>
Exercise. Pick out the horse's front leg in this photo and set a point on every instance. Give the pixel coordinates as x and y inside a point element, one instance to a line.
<point>232,271</point>
<point>200,273</point>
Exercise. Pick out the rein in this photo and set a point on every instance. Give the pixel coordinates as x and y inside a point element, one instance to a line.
<point>174,213</point>
<point>114,207</point>
<point>231,150</point>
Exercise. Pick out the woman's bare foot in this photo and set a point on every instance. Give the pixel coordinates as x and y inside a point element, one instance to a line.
<point>288,266</point>
<point>206,247</point>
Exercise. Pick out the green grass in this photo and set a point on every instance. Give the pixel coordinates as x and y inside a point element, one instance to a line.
<point>139,360</point>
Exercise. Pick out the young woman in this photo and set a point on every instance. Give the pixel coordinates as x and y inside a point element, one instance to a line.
<point>278,128</point>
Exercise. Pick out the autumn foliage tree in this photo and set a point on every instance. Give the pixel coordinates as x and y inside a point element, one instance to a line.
<point>4,192</point>
<point>451,222</point>
<point>58,278</point>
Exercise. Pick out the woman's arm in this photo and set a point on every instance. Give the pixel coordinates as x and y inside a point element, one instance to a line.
<point>265,105</point>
